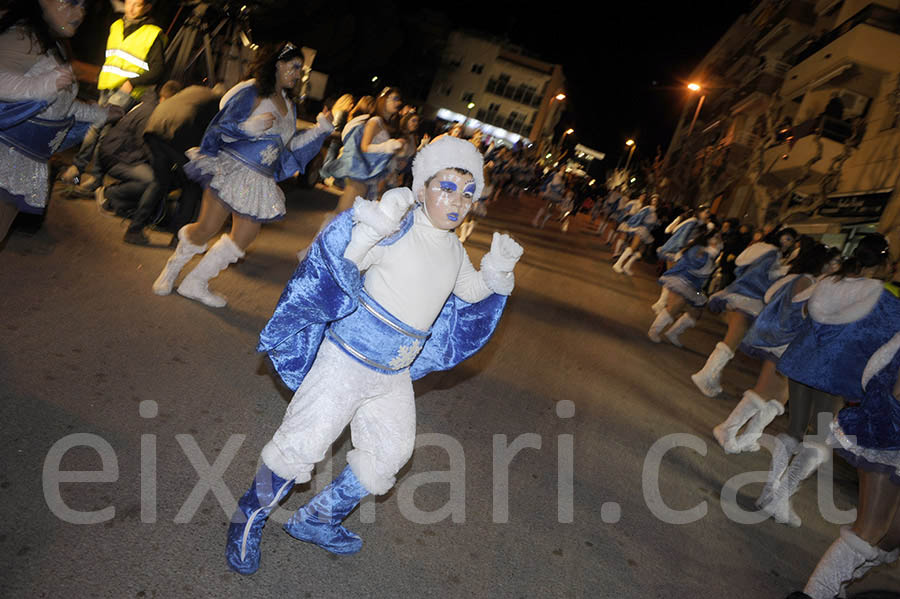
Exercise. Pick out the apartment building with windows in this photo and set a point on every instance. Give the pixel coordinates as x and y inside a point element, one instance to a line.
<point>801,120</point>
<point>498,88</point>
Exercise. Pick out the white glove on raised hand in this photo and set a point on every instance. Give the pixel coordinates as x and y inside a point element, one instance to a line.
<point>497,265</point>
<point>395,203</point>
<point>505,252</point>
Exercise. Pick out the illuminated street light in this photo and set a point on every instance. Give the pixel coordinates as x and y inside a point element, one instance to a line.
<point>694,87</point>
<point>375,78</point>
<point>569,131</point>
<point>632,180</point>
<point>632,145</point>
<point>560,97</point>
<point>470,105</point>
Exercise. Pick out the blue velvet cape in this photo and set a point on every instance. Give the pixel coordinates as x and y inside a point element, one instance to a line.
<point>777,324</point>
<point>679,239</point>
<point>688,276</point>
<point>753,280</point>
<point>325,287</point>
<point>876,420</point>
<point>249,149</point>
<point>832,357</point>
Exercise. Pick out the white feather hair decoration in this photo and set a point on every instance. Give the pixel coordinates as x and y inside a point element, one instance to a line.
<point>447,152</point>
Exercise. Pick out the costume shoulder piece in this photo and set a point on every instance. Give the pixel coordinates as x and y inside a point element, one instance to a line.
<point>842,301</point>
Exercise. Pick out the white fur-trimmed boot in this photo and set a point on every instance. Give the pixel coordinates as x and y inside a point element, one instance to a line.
<point>195,286</point>
<point>749,439</point>
<point>631,260</point>
<point>618,247</point>
<point>883,557</point>
<point>726,432</point>
<point>663,319</point>
<point>661,302</point>
<point>182,255</point>
<point>810,456</point>
<point>785,448</point>
<point>621,261</point>
<point>707,379</point>
<point>681,325</point>
<point>839,564</point>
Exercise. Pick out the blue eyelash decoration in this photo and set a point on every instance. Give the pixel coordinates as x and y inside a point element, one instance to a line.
<point>448,186</point>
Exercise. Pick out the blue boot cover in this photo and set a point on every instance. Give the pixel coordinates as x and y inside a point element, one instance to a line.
<point>245,531</point>
<point>319,521</point>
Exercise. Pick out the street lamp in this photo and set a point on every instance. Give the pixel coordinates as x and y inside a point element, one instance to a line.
<point>694,87</point>
<point>469,106</point>
<point>560,97</point>
<point>630,143</point>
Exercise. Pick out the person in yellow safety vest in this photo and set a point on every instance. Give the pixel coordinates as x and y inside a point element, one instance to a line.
<point>134,62</point>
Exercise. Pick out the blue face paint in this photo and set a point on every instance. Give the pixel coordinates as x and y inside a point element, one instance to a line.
<point>470,189</point>
<point>453,216</point>
<point>448,186</point>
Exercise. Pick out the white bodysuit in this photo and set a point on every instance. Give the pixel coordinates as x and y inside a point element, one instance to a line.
<point>412,279</point>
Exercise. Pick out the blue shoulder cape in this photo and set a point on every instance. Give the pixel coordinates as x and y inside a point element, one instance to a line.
<point>325,287</point>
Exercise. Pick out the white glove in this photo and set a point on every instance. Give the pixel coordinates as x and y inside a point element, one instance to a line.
<point>391,146</point>
<point>258,124</point>
<point>395,203</point>
<point>505,252</point>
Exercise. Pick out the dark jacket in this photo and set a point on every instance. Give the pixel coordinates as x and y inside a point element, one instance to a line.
<point>181,120</point>
<point>125,141</point>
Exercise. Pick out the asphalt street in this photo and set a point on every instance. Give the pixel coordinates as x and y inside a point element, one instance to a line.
<point>131,423</point>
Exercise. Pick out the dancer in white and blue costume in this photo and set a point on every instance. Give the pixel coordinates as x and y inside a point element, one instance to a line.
<point>771,333</point>
<point>553,193</point>
<point>639,227</point>
<point>682,230</point>
<point>385,295</point>
<point>39,112</point>
<point>867,436</point>
<point>851,314</point>
<point>759,266</point>
<point>625,210</point>
<point>364,162</point>
<point>250,145</point>
<point>685,282</point>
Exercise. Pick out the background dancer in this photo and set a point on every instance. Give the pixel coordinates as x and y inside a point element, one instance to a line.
<point>758,267</point>
<point>37,82</point>
<point>250,145</point>
<point>851,314</point>
<point>771,333</point>
<point>639,228</point>
<point>685,282</point>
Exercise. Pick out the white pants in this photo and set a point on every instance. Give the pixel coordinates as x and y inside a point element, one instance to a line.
<point>338,390</point>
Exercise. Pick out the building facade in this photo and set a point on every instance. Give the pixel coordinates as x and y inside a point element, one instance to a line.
<point>497,88</point>
<point>801,120</point>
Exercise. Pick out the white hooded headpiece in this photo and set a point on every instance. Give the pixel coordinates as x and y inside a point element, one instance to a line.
<point>448,152</point>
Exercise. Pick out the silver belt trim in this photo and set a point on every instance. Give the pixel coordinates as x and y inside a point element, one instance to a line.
<point>359,356</point>
<point>386,321</point>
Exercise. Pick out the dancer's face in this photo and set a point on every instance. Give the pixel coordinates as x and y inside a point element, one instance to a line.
<point>448,197</point>
<point>63,16</point>
<point>288,72</point>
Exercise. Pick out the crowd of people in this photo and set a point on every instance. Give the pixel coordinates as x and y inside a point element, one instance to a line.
<point>823,327</point>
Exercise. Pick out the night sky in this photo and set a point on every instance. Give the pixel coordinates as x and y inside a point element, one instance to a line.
<point>626,63</point>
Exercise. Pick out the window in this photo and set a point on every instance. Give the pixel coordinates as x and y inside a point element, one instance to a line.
<point>468,97</point>
<point>478,69</point>
<point>446,88</point>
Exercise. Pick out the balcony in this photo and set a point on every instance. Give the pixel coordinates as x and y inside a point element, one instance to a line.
<point>515,93</point>
<point>798,146</point>
<point>873,15</point>
<point>790,25</point>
